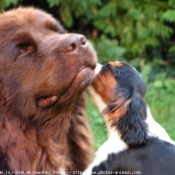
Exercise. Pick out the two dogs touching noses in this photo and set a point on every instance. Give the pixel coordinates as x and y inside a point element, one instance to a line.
<point>136,142</point>
<point>43,123</point>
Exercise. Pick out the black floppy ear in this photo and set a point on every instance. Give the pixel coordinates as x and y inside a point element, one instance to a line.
<point>128,116</point>
<point>132,126</point>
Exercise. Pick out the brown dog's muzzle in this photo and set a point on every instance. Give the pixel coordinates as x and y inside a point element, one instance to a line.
<point>67,52</point>
<point>70,44</point>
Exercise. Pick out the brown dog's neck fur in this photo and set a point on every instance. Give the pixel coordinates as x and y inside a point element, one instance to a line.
<point>49,148</point>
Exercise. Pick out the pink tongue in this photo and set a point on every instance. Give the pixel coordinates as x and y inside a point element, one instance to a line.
<point>47,101</point>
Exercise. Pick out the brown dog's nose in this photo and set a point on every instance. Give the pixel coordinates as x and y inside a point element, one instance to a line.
<point>76,42</point>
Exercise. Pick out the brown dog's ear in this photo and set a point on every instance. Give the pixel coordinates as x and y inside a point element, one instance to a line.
<point>61,29</point>
<point>10,95</point>
<point>128,113</point>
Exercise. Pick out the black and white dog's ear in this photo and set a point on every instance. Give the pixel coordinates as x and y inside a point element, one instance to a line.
<point>128,113</point>
<point>132,126</point>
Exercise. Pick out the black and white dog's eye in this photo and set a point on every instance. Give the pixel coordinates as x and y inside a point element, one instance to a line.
<point>106,67</point>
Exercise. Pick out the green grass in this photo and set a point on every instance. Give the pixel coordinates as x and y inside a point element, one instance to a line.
<point>161,102</point>
<point>97,124</point>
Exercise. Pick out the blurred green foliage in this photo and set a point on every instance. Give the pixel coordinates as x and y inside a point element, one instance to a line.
<point>6,3</point>
<point>125,28</point>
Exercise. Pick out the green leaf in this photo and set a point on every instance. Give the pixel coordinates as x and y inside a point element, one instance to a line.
<point>160,76</point>
<point>53,3</point>
<point>171,49</point>
<point>7,3</point>
<point>158,84</point>
<point>170,84</point>
<point>67,17</point>
<point>169,16</point>
<point>108,49</point>
<point>146,71</point>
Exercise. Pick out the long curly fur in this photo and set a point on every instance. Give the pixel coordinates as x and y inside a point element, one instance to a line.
<point>43,74</point>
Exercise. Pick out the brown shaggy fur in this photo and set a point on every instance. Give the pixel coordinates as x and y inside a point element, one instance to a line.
<point>43,73</point>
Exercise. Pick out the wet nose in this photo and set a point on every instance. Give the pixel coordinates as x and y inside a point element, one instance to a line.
<point>76,42</point>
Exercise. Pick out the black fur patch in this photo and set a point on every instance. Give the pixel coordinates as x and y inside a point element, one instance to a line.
<point>3,162</point>
<point>156,157</point>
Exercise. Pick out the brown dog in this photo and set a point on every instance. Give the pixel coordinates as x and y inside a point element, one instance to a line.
<point>43,73</point>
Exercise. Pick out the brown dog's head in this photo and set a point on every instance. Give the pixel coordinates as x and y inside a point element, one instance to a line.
<point>40,66</point>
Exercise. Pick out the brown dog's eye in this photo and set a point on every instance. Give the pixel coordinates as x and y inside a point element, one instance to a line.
<point>25,49</point>
<point>21,51</point>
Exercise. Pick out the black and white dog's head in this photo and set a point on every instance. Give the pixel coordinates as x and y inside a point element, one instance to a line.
<point>135,140</point>
<point>120,89</point>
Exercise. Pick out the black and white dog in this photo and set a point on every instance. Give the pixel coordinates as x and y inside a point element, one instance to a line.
<point>136,143</point>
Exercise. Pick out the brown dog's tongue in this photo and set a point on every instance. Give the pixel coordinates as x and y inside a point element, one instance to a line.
<point>47,101</point>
